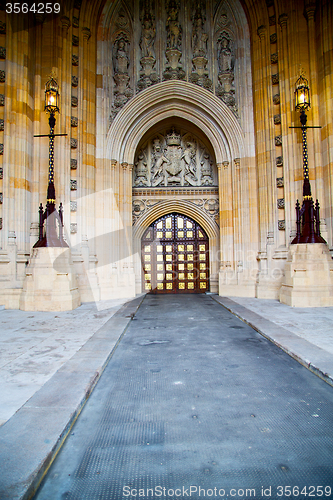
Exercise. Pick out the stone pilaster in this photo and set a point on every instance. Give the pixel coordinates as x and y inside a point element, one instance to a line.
<point>315,160</point>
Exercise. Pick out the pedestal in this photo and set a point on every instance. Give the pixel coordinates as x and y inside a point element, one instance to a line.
<point>308,280</point>
<point>50,282</point>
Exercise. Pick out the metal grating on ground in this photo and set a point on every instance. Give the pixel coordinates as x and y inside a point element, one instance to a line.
<point>194,397</point>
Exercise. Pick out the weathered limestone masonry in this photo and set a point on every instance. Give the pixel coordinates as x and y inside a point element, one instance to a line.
<point>172,106</point>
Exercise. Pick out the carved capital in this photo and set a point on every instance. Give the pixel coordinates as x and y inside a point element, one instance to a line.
<point>262,30</point>
<point>130,167</point>
<point>124,164</point>
<point>237,162</point>
<point>86,33</point>
<point>65,23</point>
<point>225,164</point>
<point>309,11</point>
<point>113,163</point>
<point>39,18</point>
<point>283,18</point>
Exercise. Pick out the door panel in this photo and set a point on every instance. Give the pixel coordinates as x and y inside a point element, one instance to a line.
<point>175,256</point>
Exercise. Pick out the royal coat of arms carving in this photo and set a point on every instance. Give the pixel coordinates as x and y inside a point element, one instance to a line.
<point>173,159</point>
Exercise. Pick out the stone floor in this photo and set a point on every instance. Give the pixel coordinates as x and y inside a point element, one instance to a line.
<point>34,345</point>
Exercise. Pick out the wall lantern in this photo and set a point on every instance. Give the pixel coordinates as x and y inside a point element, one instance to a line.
<point>52,97</point>
<point>302,94</point>
<point>52,234</point>
<point>307,216</point>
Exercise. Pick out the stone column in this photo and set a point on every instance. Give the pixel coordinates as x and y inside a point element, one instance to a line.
<point>266,286</point>
<point>286,188</point>
<point>265,136</point>
<point>226,272</point>
<point>237,217</point>
<point>315,160</point>
<point>83,172</point>
<point>326,48</point>
<point>62,166</point>
<point>18,133</point>
<point>38,145</point>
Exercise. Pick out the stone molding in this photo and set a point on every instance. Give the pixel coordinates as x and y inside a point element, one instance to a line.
<point>185,207</point>
<point>174,191</point>
<point>208,205</point>
<point>187,101</point>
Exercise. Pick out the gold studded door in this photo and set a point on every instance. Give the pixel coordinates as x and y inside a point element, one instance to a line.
<point>175,256</point>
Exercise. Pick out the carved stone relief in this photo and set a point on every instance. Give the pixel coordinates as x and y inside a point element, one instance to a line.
<point>209,207</point>
<point>199,74</point>
<point>225,90</point>
<point>161,28</point>
<point>121,61</point>
<point>173,159</point>
<point>174,70</point>
<point>148,75</point>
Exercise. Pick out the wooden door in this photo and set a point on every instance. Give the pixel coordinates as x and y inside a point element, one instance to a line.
<point>175,256</point>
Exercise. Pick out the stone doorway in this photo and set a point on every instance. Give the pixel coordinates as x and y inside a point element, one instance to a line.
<point>175,256</point>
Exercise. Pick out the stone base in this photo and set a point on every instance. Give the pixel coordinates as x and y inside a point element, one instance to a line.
<point>118,286</point>
<point>10,297</point>
<point>50,283</point>
<point>308,280</point>
<point>267,290</point>
<point>230,289</point>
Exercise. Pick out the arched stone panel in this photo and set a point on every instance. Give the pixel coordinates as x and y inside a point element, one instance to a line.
<point>175,98</point>
<point>184,207</point>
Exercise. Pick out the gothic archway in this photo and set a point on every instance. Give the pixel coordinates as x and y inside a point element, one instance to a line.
<point>175,256</point>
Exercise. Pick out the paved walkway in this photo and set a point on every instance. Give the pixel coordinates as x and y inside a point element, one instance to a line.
<point>195,398</point>
<point>45,353</point>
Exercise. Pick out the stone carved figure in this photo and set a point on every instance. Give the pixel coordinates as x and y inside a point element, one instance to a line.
<point>226,63</point>
<point>120,58</point>
<point>122,91</point>
<point>199,38</point>
<point>174,30</point>
<point>225,55</point>
<point>141,172</point>
<point>159,160</point>
<point>147,40</point>
<point>173,51</point>
<point>189,157</point>
<point>206,170</point>
<point>199,74</point>
<point>147,74</point>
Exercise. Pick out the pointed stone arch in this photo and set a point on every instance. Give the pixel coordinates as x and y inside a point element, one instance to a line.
<point>175,99</point>
<point>189,209</point>
<point>181,206</point>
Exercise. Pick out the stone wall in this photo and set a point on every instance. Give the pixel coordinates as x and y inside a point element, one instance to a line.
<point>123,68</point>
